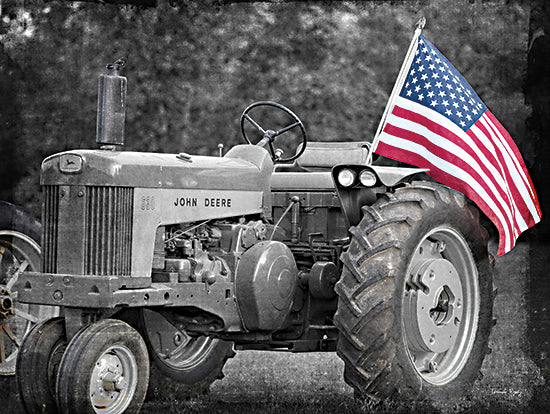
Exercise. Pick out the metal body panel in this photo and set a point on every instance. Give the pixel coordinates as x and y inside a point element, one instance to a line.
<point>71,219</point>
<point>391,176</point>
<point>108,292</point>
<point>265,284</point>
<point>354,197</point>
<point>155,207</point>
<point>154,170</point>
<point>322,181</point>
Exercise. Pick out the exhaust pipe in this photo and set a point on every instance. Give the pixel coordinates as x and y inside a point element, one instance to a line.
<point>111,107</point>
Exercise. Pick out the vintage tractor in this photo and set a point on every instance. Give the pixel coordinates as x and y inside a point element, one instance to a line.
<point>164,264</point>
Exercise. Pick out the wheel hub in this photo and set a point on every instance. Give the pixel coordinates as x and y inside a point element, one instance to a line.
<point>18,253</point>
<point>434,305</point>
<point>6,304</point>
<point>113,380</point>
<point>440,305</point>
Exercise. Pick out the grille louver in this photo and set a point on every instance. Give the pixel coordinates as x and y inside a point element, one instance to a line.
<point>49,228</point>
<point>107,230</point>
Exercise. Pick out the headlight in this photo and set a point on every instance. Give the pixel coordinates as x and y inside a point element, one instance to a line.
<point>346,177</point>
<point>367,178</point>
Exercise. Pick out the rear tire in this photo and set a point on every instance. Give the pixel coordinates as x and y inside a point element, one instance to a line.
<point>19,252</point>
<point>181,366</point>
<point>415,297</point>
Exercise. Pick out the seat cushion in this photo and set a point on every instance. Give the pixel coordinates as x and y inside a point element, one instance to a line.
<point>323,155</point>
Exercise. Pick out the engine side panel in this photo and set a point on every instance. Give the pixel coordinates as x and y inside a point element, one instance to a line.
<point>158,207</point>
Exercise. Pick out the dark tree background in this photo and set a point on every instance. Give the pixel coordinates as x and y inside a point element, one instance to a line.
<point>193,66</point>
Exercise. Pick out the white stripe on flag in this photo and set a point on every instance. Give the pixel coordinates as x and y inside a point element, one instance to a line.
<point>460,174</point>
<point>447,146</point>
<point>515,169</point>
<point>482,137</point>
<point>509,206</point>
<point>504,147</point>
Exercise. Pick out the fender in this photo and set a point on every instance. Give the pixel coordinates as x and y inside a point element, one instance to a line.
<point>352,198</point>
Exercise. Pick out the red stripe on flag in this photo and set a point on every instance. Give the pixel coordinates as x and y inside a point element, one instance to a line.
<point>515,170</point>
<point>475,153</point>
<point>497,181</point>
<point>518,158</point>
<point>464,167</point>
<point>410,157</point>
<point>512,195</point>
<point>513,186</point>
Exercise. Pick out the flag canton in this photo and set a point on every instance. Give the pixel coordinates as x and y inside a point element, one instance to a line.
<point>433,82</point>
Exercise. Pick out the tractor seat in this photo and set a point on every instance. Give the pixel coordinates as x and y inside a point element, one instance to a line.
<point>312,170</point>
<point>320,156</point>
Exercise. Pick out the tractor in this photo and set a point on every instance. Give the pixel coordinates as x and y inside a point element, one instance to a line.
<point>163,265</point>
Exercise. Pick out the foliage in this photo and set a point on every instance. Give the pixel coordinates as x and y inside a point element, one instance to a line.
<point>193,68</point>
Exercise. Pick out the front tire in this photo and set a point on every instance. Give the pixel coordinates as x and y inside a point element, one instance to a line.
<point>415,297</point>
<point>105,369</point>
<point>37,366</point>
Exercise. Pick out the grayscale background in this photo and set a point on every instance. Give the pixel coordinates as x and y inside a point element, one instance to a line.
<point>193,66</point>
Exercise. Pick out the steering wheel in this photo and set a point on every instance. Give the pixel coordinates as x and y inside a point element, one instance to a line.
<point>268,136</point>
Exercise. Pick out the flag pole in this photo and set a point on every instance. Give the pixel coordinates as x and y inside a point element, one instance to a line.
<point>398,85</point>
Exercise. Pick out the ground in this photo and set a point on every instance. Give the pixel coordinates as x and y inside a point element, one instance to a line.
<point>513,374</point>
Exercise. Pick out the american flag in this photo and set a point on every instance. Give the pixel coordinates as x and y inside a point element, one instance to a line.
<point>438,122</point>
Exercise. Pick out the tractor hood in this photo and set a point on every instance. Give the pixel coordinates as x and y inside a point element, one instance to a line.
<point>243,168</point>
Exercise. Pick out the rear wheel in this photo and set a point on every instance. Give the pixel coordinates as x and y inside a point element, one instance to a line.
<point>415,308</point>
<point>19,252</point>
<point>182,366</point>
<point>105,369</point>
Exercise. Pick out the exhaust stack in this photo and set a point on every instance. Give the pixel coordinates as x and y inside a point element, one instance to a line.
<point>111,106</point>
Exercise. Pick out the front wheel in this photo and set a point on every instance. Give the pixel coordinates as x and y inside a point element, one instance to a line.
<point>105,369</point>
<point>415,297</point>
<point>37,366</point>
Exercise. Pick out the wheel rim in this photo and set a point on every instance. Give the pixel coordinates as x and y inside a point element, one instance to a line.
<point>18,253</point>
<point>114,380</point>
<point>54,362</point>
<point>191,354</point>
<point>174,347</point>
<point>440,305</point>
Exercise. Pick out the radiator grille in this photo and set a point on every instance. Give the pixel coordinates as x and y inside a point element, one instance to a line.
<point>49,228</point>
<point>106,230</point>
<point>109,231</point>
